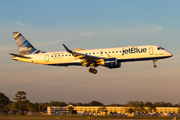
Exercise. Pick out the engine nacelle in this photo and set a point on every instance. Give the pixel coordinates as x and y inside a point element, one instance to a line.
<point>111,63</point>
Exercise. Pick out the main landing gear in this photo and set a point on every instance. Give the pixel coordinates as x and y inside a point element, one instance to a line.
<point>93,70</point>
<point>154,62</point>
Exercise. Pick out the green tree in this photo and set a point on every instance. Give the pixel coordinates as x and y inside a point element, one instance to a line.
<point>103,109</point>
<point>138,106</point>
<point>29,106</point>
<point>130,104</point>
<point>25,105</point>
<point>115,104</point>
<point>56,103</point>
<point>151,107</point>
<point>10,107</point>
<point>130,110</point>
<point>70,109</point>
<point>79,104</point>
<point>95,103</point>
<point>175,105</point>
<point>44,106</point>
<point>62,104</point>
<point>35,107</point>
<point>169,104</point>
<point>86,104</point>
<point>135,103</point>
<point>20,98</point>
<point>4,100</point>
<point>159,104</point>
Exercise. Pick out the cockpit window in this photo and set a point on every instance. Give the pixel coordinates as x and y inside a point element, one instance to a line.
<point>160,48</point>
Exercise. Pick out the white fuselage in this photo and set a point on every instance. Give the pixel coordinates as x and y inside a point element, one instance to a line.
<point>122,54</point>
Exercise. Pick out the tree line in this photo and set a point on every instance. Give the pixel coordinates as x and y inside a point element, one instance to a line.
<point>21,104</point>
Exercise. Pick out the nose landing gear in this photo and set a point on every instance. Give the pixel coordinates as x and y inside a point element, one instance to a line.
<point>154,62</point>
<point>154,66</point>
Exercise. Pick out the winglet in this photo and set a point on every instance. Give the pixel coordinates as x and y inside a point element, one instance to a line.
<point>67,49</point>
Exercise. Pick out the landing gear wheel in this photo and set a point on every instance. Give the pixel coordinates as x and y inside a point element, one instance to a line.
<point>94,71</point>
<point>91,70</point>
<point>154,62</point>
<point>155,66</point>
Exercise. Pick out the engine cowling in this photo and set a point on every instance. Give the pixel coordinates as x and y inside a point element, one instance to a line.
<point>111,63</point>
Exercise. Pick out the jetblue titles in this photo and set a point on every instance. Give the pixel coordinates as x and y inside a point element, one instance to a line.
<point>133,50</point>
<point>25,49</point>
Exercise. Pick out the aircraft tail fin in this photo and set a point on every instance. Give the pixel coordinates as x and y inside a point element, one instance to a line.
<point>23,45</point>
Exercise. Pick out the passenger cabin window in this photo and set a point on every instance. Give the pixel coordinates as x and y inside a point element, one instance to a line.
<point>59,56</point>
<point>112,51</point>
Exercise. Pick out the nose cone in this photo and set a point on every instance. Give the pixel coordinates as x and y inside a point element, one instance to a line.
<point>169,54</point>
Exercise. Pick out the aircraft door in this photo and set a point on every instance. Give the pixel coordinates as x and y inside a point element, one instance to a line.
<point>151,50</point>
<point>46,58</point>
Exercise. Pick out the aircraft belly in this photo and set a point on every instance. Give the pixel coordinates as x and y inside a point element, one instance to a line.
<point>63,62</point>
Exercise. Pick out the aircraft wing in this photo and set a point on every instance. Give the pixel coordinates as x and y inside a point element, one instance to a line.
<point>89,58</point>
<point>86,57</point>
<point>21,56</point>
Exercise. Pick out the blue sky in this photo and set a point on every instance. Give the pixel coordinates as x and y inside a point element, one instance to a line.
<point>91,24</point>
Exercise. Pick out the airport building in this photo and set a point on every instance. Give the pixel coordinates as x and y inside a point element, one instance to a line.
<point>100,110</point>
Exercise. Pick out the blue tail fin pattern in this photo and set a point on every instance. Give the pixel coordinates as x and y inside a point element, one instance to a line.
<point>24,46</point>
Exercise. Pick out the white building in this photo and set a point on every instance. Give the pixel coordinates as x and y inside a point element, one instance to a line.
<point>97,110</point>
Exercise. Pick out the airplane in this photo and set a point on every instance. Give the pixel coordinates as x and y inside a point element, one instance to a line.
<point>107,57</point>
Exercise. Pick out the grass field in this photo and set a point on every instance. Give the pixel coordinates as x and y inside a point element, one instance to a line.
<point>16,117</point>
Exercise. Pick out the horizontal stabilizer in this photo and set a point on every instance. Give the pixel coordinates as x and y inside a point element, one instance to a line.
<point>21,56</point>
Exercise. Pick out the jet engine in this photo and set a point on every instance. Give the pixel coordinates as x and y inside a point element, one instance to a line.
<point>111,63</point>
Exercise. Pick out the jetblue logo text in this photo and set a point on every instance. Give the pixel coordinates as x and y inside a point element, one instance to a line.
<point>24,49</point>
<point>134,50</point>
